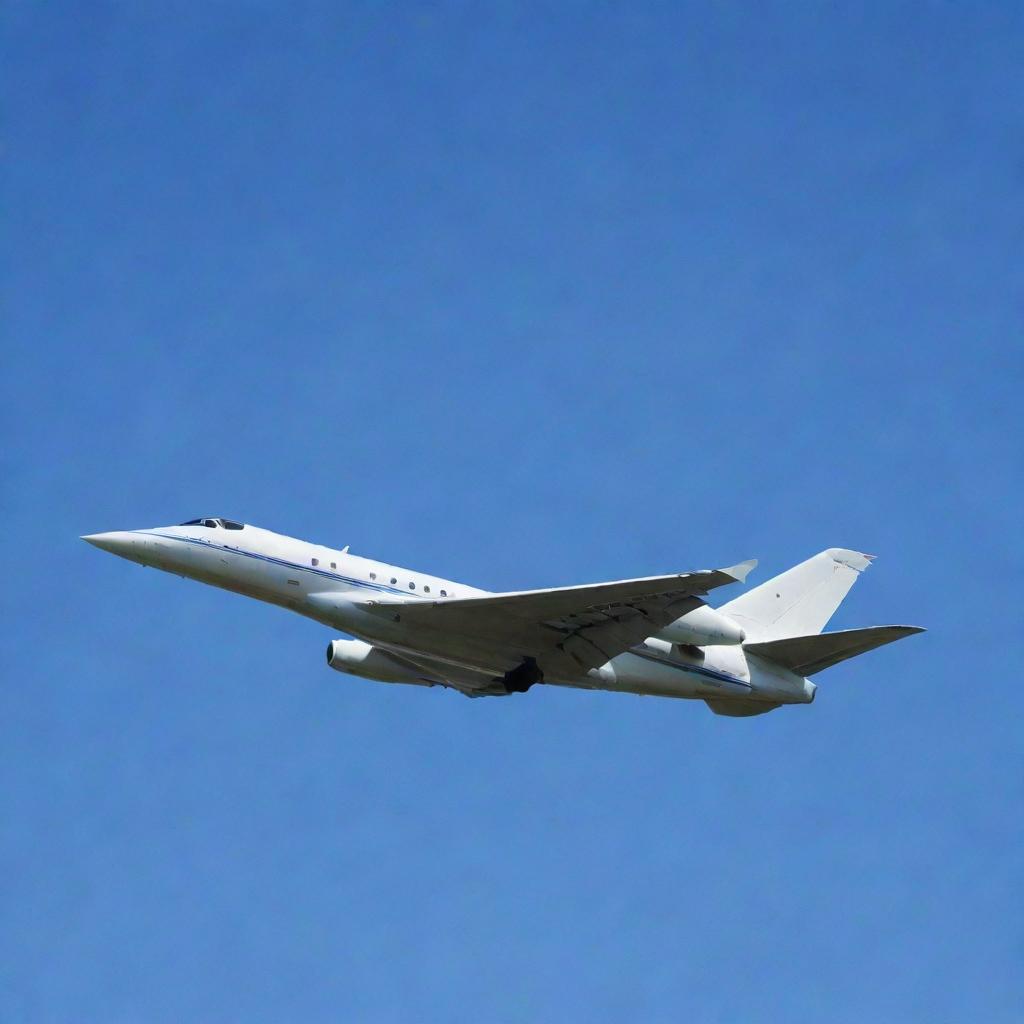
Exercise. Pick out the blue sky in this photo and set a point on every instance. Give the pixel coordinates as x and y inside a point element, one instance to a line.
<point>522,295</point>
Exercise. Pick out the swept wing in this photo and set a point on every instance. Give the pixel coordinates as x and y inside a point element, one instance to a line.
<point>566,630</point>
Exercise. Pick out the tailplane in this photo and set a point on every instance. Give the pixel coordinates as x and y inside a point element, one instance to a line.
<point>783,618</point>
<point>806,655</point>
<point>799,602</point>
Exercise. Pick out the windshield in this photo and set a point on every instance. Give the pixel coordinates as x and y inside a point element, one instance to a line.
<point>227,524</point>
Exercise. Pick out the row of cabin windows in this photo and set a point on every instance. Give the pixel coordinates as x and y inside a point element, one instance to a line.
<point>229,524</point>
<point>394,579</point>
<point>412,586</point>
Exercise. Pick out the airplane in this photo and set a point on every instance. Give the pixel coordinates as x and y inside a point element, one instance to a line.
<point>651,636</point>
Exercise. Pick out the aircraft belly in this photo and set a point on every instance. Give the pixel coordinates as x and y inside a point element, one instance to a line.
<point>476,662</point>
<point>637,673</point>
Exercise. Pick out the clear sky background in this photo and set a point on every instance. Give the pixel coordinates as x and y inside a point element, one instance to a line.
<point>522,295</point>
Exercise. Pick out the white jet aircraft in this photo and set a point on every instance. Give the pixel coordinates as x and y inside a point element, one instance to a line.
<point>647,636</point>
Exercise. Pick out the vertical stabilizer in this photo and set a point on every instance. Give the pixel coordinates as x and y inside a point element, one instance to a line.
<point>800,601</point>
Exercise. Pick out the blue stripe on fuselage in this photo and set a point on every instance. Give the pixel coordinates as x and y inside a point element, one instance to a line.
<point>697,669</point>
<point>379,587</point>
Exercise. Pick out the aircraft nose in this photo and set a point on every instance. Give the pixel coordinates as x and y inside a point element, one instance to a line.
<point>117,543</point>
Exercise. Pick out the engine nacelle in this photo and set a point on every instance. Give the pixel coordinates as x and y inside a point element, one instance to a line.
<point>359,658</point>
<point>702,627</point>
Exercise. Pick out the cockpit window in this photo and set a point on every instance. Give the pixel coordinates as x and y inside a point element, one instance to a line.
<point>228,524</point>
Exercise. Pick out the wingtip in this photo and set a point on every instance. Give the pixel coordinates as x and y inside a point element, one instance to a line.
<point>741,570</point>
<point>904,631</point>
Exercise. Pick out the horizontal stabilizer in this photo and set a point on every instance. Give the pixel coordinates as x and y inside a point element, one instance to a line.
<point>807,655</point>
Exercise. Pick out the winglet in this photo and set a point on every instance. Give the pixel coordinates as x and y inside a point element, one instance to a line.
<point>740,571</point>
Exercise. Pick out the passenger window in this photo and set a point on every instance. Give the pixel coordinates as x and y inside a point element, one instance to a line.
<point>334,565</point>
<point>444,593</point>
<point>426,590</point>
<point>412,586</point>
<point>393,580</point>
<point>315,561</point>
<point>373,575</point>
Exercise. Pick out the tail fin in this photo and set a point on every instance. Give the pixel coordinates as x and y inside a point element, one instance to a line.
<point>800,601</point>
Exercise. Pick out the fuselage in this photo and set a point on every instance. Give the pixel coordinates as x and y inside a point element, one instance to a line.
<point>334,587</point>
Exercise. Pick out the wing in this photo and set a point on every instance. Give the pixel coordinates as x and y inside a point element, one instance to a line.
<point>567,630</point>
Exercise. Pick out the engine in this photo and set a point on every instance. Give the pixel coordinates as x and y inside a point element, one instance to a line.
<point>359,658</point>
<point>702,627</point>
